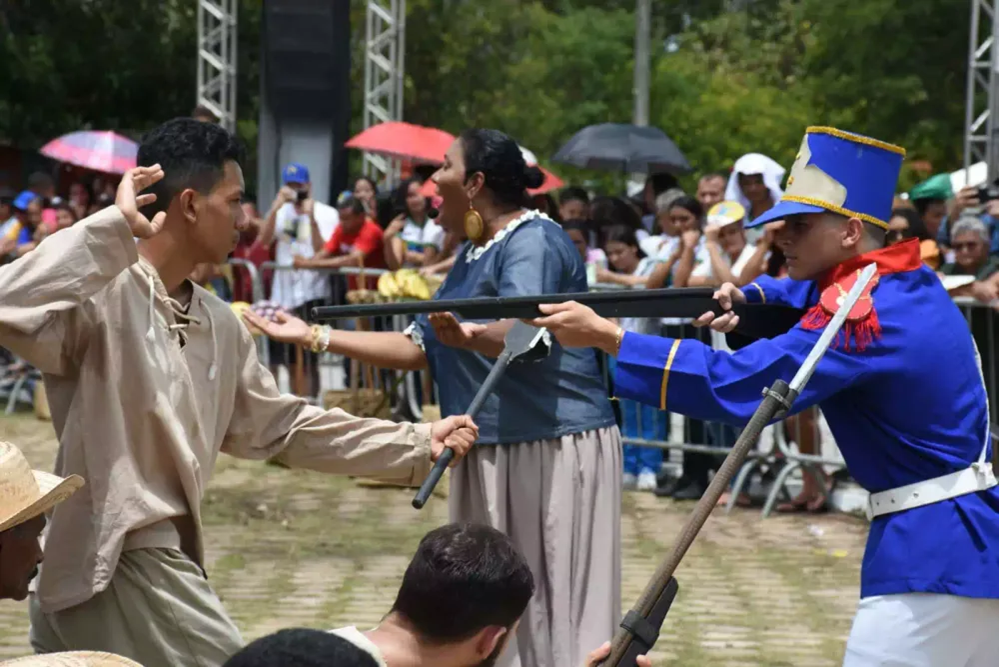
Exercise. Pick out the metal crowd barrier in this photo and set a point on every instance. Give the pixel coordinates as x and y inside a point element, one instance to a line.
<point>685,439</point>
<point>326,371</point>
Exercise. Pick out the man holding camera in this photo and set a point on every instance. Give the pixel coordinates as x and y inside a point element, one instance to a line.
<point>298,225</point>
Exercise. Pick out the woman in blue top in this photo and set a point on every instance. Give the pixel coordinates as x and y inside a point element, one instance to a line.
<point>547,468</point>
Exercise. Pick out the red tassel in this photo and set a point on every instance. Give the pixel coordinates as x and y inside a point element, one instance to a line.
<point>816,318</point>
<point>861,333</point>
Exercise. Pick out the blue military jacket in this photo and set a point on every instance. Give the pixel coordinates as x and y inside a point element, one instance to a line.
<point>909,407</point>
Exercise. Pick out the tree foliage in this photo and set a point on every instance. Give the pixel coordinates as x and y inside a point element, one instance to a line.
<point>737,77</point>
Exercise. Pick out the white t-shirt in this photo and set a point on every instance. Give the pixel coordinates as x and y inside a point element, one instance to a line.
<point>418,238</point>
<point>703,269</point>
<point>293,233</point>
<point>357,638</point>
<point>660,246</point>
<point>646,325</point>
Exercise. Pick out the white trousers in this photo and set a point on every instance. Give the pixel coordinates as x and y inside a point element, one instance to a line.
<point>924,630</point>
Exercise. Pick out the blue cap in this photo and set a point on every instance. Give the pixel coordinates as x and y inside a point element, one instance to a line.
<point>840,172</point>
<point>23,200</point>
<point>295,173</point>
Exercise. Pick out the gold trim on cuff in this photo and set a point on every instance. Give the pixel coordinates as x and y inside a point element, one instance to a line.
<point>669,364</point>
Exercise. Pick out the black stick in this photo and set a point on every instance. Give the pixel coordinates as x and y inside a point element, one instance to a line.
<point>480,397</point>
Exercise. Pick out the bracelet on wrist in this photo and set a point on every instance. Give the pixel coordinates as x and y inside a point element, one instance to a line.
<point>321,337</point>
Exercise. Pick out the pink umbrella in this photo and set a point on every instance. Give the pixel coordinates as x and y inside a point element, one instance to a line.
<point>102,151</point>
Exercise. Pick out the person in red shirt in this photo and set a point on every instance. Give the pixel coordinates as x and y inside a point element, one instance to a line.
<point>357,241</point>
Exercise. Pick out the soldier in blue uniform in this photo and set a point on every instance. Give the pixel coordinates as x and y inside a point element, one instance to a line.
<point>901,389</point>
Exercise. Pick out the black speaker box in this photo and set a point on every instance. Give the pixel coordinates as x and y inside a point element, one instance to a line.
<point>306,58</point>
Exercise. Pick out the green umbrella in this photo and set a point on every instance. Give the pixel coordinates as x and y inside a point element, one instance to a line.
<point>934,187</point>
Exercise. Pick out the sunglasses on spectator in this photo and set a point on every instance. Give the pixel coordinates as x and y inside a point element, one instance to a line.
<point>973,245</point>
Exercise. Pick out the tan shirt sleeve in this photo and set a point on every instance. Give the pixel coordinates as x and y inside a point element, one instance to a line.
<point>45,314</point>
<point>268,424</point>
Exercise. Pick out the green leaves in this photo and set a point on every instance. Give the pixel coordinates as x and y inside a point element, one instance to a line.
<point>740,81</point>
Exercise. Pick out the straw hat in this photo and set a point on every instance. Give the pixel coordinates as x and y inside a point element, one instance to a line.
<point>26,493</point>
<point>73,659</point>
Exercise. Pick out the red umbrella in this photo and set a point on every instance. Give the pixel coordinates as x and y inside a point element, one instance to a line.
<point>102,151</point>
<point>551,182</point>
<point>406,141</point>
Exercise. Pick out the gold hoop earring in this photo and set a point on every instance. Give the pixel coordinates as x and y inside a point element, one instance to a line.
<point>474,225</point>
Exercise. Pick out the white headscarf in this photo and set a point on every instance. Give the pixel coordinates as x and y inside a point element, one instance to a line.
<point>755,163</point>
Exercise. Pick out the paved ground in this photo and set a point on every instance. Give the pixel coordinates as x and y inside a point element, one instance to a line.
<point>290,548</point>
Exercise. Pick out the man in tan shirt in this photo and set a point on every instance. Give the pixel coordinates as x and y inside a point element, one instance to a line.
<point>149,377</point>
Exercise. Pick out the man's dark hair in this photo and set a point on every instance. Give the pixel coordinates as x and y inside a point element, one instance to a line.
<point>463,578</point>
<point>573,193</point>
<point>203,113</point>
<point>193,155</point>
<point>301,647</point>
<point>348,202</point>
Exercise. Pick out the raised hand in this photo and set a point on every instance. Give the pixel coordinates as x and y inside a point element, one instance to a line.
<point>711,232</point>
<point>129,201</point>
<point>284,327</point>
<point>453,333</point>
<point>457,432</point>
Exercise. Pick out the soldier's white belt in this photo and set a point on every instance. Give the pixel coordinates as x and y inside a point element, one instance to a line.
<point>978,477</point>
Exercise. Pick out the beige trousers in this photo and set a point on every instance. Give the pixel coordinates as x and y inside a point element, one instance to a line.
<point>158,610</point>
<point>560,502</point>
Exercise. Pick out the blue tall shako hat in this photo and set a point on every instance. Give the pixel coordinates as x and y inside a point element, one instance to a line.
<point>840,172</point>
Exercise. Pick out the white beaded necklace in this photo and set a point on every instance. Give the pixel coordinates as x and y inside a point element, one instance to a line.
<point>475,252</point>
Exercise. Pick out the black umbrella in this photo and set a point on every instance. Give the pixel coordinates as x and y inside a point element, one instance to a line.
<point>623,148</point>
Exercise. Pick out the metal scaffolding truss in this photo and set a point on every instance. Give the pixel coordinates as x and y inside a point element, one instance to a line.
<point>981,122</point>
<point>217,59</point>
<point>385,45</point>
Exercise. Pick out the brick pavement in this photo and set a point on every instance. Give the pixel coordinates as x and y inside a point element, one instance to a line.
<point>297,548</point>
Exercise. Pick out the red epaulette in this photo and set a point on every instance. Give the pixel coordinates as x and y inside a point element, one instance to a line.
<point>861,327</point>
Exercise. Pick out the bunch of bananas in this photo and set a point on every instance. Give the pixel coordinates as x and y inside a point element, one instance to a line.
<point>407,284</point>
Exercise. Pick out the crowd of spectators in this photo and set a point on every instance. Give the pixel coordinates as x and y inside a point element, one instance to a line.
<point>658,236</point>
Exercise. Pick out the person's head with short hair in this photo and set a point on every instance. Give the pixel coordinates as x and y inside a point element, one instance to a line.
<point>711,189</point>
<point>201,191</point>
<point>204,114</point>
<point>464,593</point>
<point>33,214</point>
<point>623,251</point>
<point>933,212</point>
<point>352,212</point>
<point>366,190</point>
<point>301,647</point>
<point>686,214</point>
<point>573,203</point>
<point>410,201</point>
<point>906,223</point>
<point>969,238</point>
<point>65,215</point>
<point>664,202</point>
<point>578,231</point>
<point>42,184</point>
<point>25,496</point>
